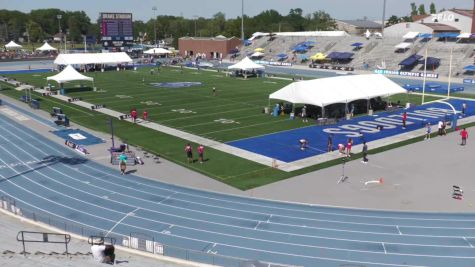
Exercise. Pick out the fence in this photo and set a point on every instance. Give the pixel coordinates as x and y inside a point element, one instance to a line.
<point>134,240</point>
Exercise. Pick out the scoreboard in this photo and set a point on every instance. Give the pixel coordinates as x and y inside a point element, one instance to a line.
<point>116,29</point>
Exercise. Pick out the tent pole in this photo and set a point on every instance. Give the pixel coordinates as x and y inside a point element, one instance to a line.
<point>323,111</point>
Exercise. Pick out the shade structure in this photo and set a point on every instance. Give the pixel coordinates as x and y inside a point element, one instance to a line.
<point>402,45</point>
<point>411,60</point>
<point>425,35</point>
<point>340,55</point>
<point>257,54</point>
<point>282,55</point>
<point>318,56</point>
<point>341,89</point>
<point>259,49</point>
<point>300,48</point>
<point>410,35</point>
<point>92,58</point>
<point>357,44</point>
<point>447,35</point>
<point>157,51</point>
<point>246,64</point>
<point>69,74</point>
<point>469,68</point>
<point>12,46</point>
<point>46,47</point>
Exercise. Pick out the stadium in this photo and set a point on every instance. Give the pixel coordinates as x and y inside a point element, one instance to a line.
<point>282,146</point>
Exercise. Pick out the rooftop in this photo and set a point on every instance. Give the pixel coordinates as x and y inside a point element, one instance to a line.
<point>463,12</point>
<point>362,23</point>
<point>441,27</point>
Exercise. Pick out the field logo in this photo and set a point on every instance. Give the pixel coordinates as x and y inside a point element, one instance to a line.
<point>226,121</point>
<point>123,96</point>
<point>150,103</point>
<point>183,111</point>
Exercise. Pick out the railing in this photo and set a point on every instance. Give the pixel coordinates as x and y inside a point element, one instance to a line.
<point>134,240</point>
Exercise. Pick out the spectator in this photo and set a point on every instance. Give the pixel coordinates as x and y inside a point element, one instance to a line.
<point>365,153</point>
<point>428,131</point>
<point>464,135</point>
<point>439,128</point>
<point>330,143</point>
<point>349,144</point>
<point>464,108</point>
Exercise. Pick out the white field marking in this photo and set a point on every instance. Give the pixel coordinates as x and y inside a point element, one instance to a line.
<point>168,197</point>
<point>213,122</point>
<point>120,221</point>
<point>470,244</point>
<point>270,217</point>
<point>251,212</point>
<point>257,225</point>
<point>199,230</point>
<point>247,126</point>
<point>384,247</point>
<point>202,115</point>
<point>209,250</point>
<point>398,230</point>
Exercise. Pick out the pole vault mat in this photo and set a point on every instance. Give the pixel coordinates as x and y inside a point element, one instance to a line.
<point>78,137</point>
<point>285,145</point>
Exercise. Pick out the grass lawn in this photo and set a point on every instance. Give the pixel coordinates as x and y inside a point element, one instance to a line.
<point>235,112</point>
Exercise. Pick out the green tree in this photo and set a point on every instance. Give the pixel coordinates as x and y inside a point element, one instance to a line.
<point>422,9</point>
<point>322,21</point>
<point>432,8</point>
<point>392,20</point>
<point>413,9</point>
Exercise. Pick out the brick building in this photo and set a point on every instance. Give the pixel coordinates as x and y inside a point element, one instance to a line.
<point>209,48</point>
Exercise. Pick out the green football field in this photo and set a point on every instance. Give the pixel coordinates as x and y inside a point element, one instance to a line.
<point>234,112</point>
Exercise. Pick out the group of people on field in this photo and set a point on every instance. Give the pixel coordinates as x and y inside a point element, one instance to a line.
<point>134,115</point>
<point>189,153</point>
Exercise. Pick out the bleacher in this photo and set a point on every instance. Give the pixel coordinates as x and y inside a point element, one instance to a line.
<point>372,53</point>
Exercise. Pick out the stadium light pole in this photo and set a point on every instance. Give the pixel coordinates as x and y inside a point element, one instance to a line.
<point>154,8</point>
<point>242,21</point>
<point>196,17</point>
<point>450,73</point>
<point>59,16</point>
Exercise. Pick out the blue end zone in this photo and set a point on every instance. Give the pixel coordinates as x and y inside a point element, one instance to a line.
<point>78,137</point>
<point>284,145</point>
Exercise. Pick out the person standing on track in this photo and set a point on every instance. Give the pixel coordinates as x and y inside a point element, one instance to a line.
<point>464,135</point>
<point>122,163</point>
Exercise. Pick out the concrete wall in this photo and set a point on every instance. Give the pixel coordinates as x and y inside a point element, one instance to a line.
<point>464,23</point>
<point>211,47</point>
<point>400,29</point>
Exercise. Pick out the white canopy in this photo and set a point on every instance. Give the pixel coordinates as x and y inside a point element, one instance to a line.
<point>257,54</point>
<point>157,51</point>
<point>464,35</point>
<point>92,58</point>
<point>341,89</point>
<point>46,47</point>
<point>12,46</point>
<point>301,34</point>
<point>246,64</point>
<point>402,45</point>
<point>69,74</point>
<point>410,35</point>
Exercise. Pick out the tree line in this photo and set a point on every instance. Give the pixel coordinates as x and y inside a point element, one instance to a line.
<point>43,24</point>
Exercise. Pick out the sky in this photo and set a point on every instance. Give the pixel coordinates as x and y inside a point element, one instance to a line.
<point>142,9</point>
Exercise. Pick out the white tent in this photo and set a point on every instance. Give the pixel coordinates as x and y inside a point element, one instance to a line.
<point>342,89</point>
<point>402,45</point>
<point>92,58</point>
<point>46,47</point>
<point>157,51</point>
<point>12,46</point>
<point>257,54</point>
<point>410,35</point>
<point>464,35</point>
<point>69,74</point>
<point>246,64</point>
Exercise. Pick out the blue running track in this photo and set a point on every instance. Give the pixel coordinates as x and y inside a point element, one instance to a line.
<point>53,181</point>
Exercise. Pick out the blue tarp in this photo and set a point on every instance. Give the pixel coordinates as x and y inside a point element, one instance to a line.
<point>300,48</point>
<point>340,55</point>
<point>357,44</point>
<point>247,42</point>
<point>425,35</point>
<point>447,35</point>
<point>433,88</point>
<point>469,68</point>
<point>410,61</point>
<point>431,61</point>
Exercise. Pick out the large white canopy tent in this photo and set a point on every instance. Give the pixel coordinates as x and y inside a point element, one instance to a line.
<point>70,74</point>
<point>342,89</point>
<point>157,51</point>
<point>246,64</point>
<point>12,46</point>
<point>92,58</point>
<point>46,47</point>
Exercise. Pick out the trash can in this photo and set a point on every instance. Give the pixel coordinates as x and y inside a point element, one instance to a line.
<point>266,109</point>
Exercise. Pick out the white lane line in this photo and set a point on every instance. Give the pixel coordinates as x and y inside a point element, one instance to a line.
<point>398,229</point>
<point>301,226</point>
<point>278,208</point>
<point>384,247</point>
<point>168,197</point>
<point>470,244</point>
<point>270,217</point>
<point>209,250</point>
<point>257,225</point>
<point>206,231</point>
<point>132,213</point>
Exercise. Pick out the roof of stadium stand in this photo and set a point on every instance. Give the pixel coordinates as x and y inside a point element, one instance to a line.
<point>342,89</point>
<point>92,58</point>
<point>366,24</point>
<point>441,27</point>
